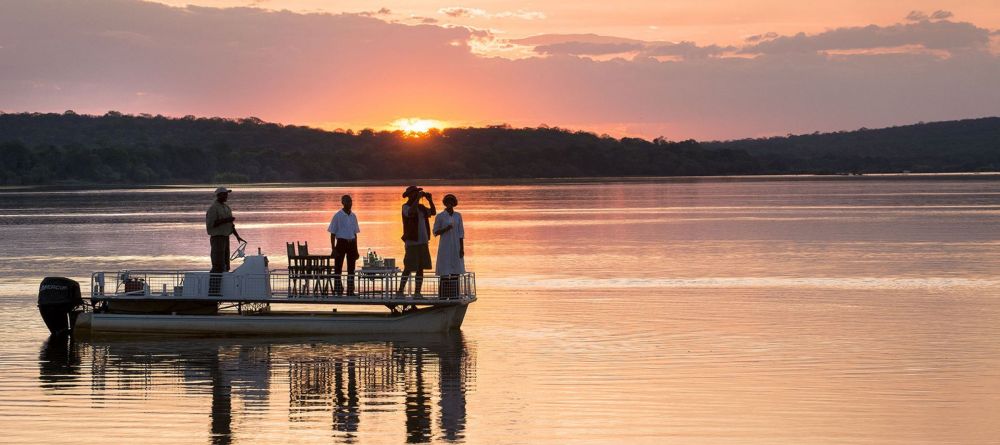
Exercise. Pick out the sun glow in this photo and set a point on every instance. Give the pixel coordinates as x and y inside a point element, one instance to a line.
<point>416,126</point>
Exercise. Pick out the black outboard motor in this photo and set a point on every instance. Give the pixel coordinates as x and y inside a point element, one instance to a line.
<point>57,299</point>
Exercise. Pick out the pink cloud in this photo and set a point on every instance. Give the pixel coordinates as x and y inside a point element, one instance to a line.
<point>943,35</point>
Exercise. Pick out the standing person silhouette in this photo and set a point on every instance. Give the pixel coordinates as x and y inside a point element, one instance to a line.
<point>451,247</point>
<point>219,224</point>
<point>416,235</point>
<point>344,231</point>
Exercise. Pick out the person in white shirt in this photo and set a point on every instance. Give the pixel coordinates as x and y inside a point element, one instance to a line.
<point>451,247</point>
<point>344,231</point>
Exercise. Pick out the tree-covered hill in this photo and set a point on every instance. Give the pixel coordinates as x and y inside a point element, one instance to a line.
<point>115,148</point>
<point>955,146</point>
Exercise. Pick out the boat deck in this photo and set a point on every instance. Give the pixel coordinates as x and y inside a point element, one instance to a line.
<point>279,287</point>
<point>404,300</point>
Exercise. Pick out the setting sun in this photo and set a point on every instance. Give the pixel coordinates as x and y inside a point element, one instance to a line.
<point>416,125</point>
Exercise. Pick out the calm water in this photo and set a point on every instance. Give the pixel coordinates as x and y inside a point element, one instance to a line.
<point>699,311</point>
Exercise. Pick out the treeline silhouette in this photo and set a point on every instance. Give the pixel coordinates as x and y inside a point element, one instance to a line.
<point>971,145</point>
<point>117,148</point>
<point>37,148</point>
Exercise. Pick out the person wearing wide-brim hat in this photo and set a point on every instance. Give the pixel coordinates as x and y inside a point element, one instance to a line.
<point>219,224</point>
<point>416,236</point>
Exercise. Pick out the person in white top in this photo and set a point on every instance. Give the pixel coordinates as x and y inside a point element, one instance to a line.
<point>451,247</point>
<point>344,231</point>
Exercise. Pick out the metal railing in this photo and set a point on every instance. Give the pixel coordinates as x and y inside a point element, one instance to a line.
<point>279,286</point>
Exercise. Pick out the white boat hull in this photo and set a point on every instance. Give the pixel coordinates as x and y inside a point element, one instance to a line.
<point>426,320</point>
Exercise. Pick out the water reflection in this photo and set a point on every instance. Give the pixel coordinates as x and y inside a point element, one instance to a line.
<point>342,377</point>
<point>58,363</point>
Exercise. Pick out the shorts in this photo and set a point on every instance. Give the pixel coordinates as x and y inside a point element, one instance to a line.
<point>418,257</point>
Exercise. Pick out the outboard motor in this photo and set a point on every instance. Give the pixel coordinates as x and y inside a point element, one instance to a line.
<point>57,299</point>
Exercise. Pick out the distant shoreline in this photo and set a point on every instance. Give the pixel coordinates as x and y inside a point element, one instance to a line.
<point>982,176</point>
<point>70,150</point>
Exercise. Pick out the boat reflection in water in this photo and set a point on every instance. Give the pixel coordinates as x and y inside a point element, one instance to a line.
<point>337,381</point>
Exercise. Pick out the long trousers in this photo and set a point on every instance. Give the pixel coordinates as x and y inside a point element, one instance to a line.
<point>345,248</point>
<point>220,263</point>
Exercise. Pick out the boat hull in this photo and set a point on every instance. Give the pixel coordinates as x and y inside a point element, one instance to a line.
<point>426,320</point>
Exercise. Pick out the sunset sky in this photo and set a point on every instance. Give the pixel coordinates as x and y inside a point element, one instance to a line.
<point>708,69</point>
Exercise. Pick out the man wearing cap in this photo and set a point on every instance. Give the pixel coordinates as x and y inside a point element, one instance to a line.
<point>416,235</point>
<point>219,223</point>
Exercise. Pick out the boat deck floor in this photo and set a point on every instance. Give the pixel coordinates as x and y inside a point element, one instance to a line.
<point>324,314</point>
<point>404,300</point>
